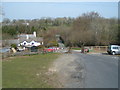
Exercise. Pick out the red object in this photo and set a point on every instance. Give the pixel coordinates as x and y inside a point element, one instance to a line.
<point>49,49</point>
<point>86,50</point>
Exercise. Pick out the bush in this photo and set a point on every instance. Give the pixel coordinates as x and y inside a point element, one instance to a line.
<point>52,43</point>
<point>41,47</point>
<point>14,46</point>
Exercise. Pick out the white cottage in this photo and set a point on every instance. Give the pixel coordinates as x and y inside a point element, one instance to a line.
<point>30,40</point>
<point>32,43</point>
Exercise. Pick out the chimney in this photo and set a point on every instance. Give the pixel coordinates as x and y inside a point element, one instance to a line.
<point>27,37</point>
<point>34,33</point>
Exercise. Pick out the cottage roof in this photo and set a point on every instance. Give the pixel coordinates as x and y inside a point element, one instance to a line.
<point>25,36</point>
<point>37,39</point>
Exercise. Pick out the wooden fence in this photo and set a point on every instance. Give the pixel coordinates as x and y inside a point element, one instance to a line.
<point>11,54</point>
<point>27,52</point>
<point>98,48</point>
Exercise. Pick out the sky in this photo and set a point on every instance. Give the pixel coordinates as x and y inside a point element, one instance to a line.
<point>37,10</point>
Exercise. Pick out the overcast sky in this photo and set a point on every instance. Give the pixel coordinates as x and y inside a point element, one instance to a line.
<point>36,10</point>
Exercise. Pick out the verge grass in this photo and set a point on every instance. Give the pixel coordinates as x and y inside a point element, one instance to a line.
<point>27,71</point>
<point>76,48</point>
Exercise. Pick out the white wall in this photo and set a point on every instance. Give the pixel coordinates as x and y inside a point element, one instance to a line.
<point>32,43</point>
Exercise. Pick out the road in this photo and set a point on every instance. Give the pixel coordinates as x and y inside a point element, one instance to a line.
<point>100,71</point>
<point>78,70</point>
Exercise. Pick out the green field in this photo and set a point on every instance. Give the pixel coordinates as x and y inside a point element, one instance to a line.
<point>76,48</point>
<point>27,71</point>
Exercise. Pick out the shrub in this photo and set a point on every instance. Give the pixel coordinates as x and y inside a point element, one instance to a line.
<point>14,46</point>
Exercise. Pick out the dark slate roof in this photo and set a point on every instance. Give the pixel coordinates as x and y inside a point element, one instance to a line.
<point>20,40</point>
<point>12,41</point>
<point>37,39</point>
<point>25,36</point>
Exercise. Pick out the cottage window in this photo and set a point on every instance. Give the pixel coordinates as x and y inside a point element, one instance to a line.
<point>24,43</point>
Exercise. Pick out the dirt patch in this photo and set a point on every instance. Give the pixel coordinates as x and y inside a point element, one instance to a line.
<point>68,71</point>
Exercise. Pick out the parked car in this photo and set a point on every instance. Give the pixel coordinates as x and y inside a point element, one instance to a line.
<point>113,49</point>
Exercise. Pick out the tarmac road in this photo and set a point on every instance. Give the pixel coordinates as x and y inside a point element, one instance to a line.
<point>99,71</point>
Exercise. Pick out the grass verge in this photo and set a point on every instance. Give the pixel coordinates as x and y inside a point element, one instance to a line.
<point>27,71</point>
<point>76,48</point>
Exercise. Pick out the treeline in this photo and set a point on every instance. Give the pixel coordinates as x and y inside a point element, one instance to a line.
<point>87,29</point>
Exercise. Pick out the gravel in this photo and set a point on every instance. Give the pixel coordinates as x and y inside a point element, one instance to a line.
<point>70,71</point>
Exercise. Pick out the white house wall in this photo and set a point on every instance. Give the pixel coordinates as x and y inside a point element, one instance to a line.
<point>32,43</point>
